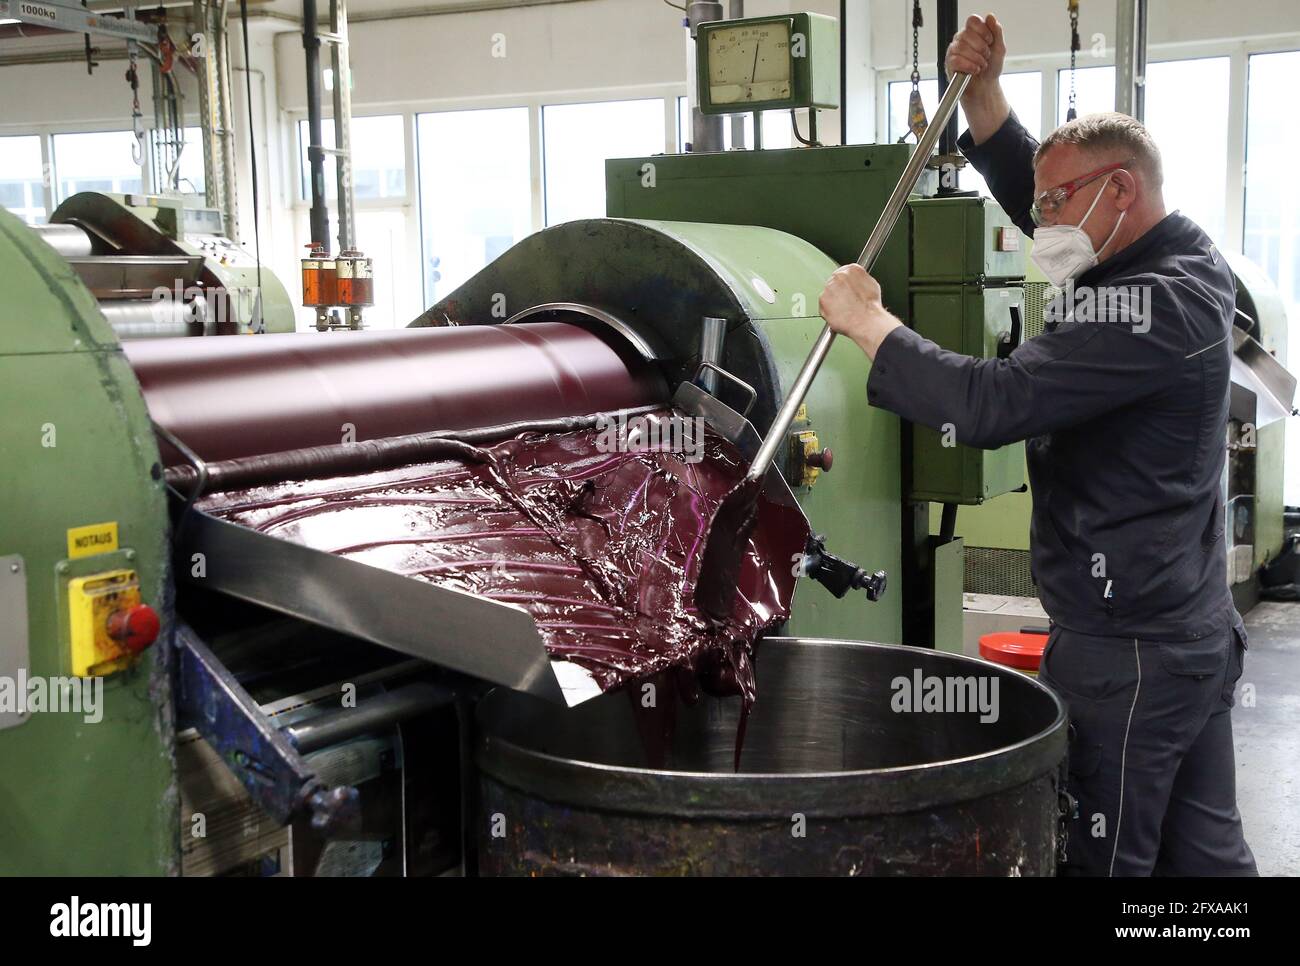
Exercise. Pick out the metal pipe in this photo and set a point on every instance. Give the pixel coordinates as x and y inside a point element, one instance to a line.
<point>948,522</point>
<point>945,29</point>
<point>736,10</point>
<point>775,438</point>
<point>372,454</point>
<point>320,217</point>
<point>373,714</point>
<point>163,319</point>
<point>706,129</point>
<point>1131,57</point>
<point>844,72</point>
<point>1140,63</point>
<point>229,174</point>
<point>340,59</point>
<point>70,241</point>
<point>1124,56</point>
<point>713,334</point>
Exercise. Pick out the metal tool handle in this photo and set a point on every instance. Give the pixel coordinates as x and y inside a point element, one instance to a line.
<point>751,394</point>
<point>884,226</point>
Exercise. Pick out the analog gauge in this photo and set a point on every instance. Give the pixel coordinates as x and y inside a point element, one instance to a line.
<point>750,63</point>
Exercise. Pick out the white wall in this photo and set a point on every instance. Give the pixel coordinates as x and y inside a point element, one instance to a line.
<point>42,94</point>
<point>596,45</point>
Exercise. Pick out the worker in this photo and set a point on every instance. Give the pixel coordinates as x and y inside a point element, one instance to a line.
<point>1123,401</point>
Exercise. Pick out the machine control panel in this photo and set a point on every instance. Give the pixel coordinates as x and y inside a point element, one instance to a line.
<point>811,457</point>
<point>110,625</point>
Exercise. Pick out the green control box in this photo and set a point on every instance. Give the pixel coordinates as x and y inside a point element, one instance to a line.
<point>964,239</point>
<point>965,293</point>
<point>768,63</point>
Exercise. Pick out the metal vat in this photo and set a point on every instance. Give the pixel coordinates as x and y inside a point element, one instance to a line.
<point>839,774</point>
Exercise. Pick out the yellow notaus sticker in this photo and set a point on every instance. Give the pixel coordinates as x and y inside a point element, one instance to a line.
<point>92,539</point>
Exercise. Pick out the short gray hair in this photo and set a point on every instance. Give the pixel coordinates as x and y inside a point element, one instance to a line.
<point>1112,134</point>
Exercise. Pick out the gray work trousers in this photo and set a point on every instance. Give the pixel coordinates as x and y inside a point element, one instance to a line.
<point>1151,760</point>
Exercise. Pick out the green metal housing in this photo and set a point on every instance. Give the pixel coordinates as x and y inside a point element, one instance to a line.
<point>663,278</point>
<point>829,197</point>
<point>972,320</point>
<point>966,294</point>
<point>946,268</point>
<point>77,448</point>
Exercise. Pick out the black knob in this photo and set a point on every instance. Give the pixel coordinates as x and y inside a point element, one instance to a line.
<point>876,584</point>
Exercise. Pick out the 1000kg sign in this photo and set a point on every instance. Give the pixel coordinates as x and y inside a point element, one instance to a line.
<point>36,10</point>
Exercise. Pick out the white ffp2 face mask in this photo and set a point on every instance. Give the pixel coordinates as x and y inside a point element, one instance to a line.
<point>1063,252</point>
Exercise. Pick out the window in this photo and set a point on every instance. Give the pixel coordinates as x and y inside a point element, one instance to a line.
<point>900,94</point>
<point>475,191</point>
<point>22,184</point>
<point>189,177</point>
<point>1272,216</point>
<point>380,229</point>
<point>777,130</point>
<point>1187,113</point>
<point>381,234</point>
<point>1024,91</point>
<point>577,140</point>
<point>99,161</point>
<point>378,158</point>
<point>1094,91</point>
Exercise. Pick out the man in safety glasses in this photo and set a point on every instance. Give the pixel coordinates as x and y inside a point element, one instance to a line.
<point>1124,402</point>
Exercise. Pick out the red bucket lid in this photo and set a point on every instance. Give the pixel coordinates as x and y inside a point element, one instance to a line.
<point>1014,649</point>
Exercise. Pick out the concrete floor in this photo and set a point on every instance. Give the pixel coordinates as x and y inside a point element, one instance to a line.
<point>1268,738</point>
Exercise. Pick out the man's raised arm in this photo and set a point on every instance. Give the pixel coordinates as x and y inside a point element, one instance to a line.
<point>996,144</point>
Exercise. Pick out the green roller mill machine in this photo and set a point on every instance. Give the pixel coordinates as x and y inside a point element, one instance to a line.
<point>84,541</point>
<point>953,270</point>
<point>743,242</point>
<point>83,532</point>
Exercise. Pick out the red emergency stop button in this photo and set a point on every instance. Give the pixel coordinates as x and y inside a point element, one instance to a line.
<point>821,458</point>
<point>136,627</point>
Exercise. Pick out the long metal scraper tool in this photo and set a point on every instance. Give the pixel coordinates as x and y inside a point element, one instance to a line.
<point>732,525</point>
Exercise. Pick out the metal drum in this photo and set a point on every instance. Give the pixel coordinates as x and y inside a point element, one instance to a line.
<point>847,769</point>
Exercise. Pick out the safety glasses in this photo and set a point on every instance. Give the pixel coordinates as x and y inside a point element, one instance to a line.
<point>1049,203</point>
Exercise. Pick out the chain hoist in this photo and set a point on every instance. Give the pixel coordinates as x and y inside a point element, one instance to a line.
<point>916,120</point>
<point>137,116</point>
<point>1071,114</point>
